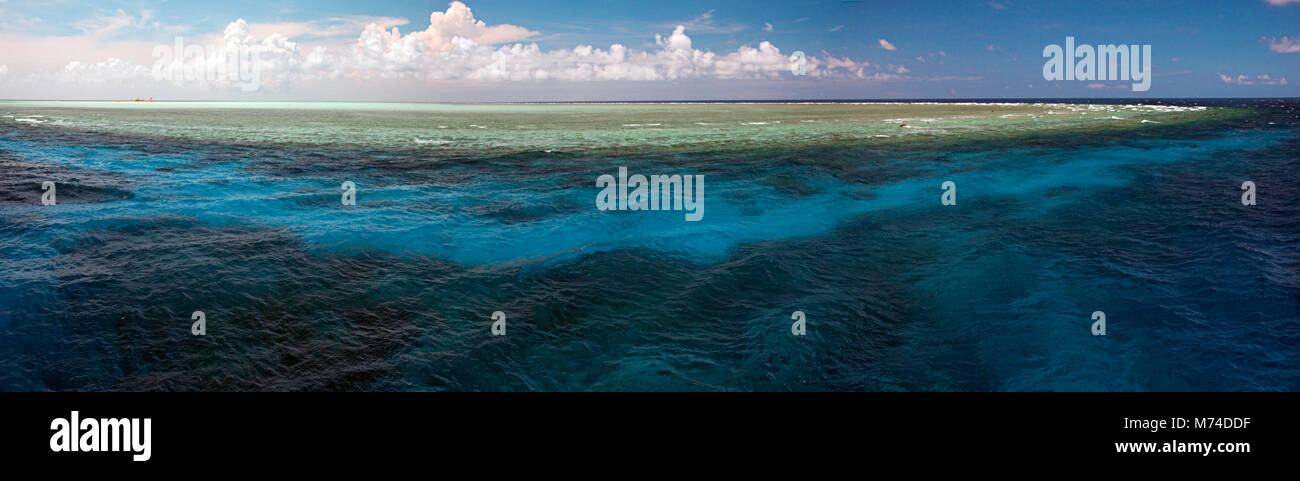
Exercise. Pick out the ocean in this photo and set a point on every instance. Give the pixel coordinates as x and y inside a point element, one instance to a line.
<point>836,210</point>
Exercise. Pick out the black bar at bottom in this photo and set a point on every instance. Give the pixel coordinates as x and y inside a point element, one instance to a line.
<point>388,429</point>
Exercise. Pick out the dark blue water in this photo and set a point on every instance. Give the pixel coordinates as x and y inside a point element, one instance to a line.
<point>900,292</point>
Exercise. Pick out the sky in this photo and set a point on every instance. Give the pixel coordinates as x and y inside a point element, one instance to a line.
<point>584,50</point>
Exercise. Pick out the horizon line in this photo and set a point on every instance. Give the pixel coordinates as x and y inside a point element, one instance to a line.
<point>682,101</point>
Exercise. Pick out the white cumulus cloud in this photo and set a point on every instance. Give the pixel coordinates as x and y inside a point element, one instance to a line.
<point>458,47</point>
<point>1249,80</point>
<point>113,69</point>
<point>458,21</point>
<point>1282,45</point>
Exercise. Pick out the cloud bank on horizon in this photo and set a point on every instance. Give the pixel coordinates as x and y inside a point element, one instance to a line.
<point>858,52</point>
<point>455,46</point>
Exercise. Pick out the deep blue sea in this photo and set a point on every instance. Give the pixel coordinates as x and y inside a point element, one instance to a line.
<point>900,292</point>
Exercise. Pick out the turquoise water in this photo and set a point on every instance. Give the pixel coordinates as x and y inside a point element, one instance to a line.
<point>833,210</point>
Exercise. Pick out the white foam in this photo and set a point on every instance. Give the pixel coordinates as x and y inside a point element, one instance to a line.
<point>434,142</point>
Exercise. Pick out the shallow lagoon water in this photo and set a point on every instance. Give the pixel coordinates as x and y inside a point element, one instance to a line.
<point>832,209</point>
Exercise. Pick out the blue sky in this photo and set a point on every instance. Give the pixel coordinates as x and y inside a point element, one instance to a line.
<point>604,50</point>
